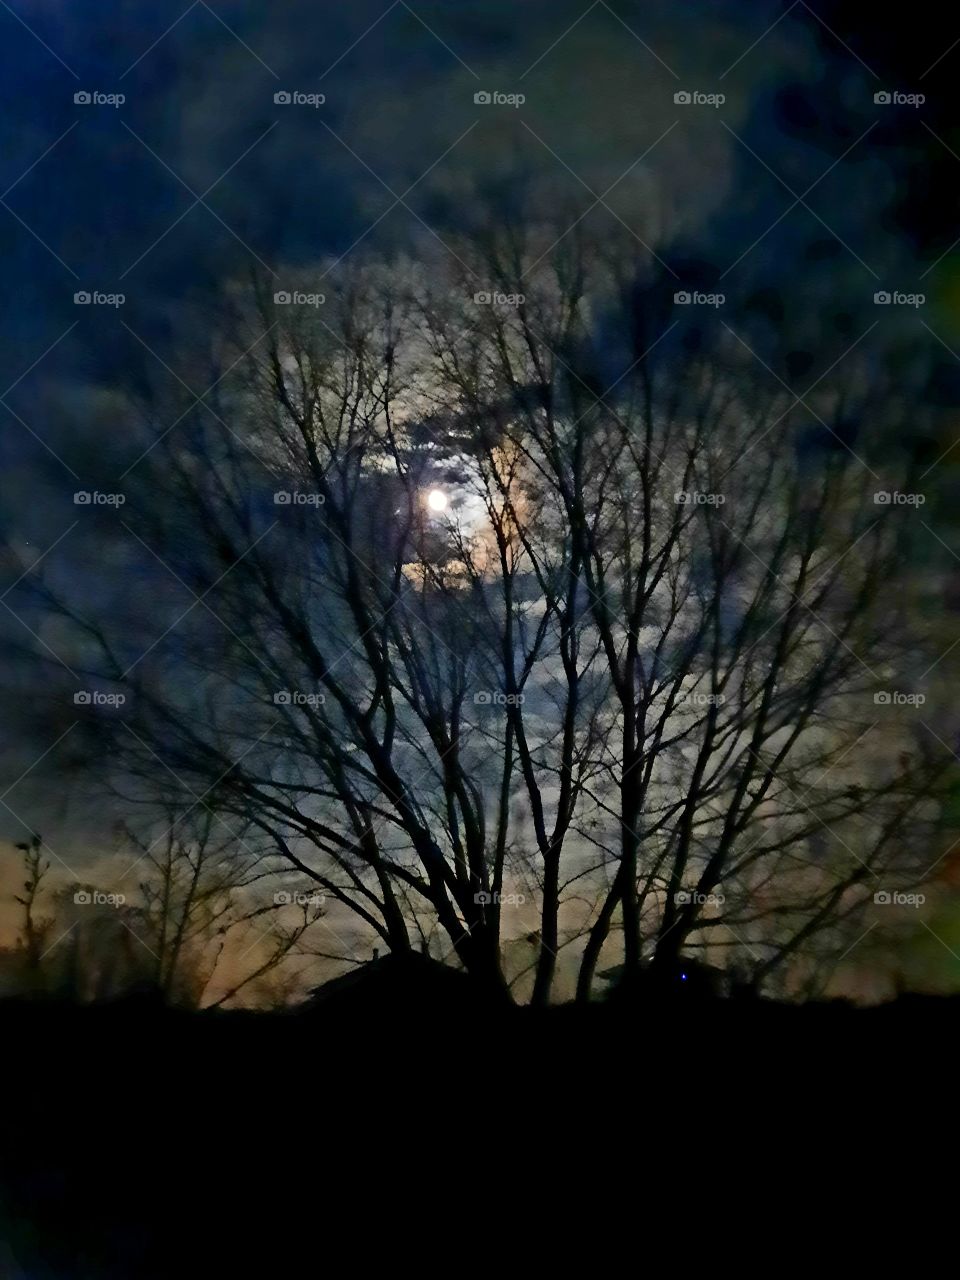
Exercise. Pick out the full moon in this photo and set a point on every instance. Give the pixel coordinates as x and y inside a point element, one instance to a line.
<point>437,500</point>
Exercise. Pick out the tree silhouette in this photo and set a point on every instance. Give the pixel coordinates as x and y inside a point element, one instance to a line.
<point>622,674</point>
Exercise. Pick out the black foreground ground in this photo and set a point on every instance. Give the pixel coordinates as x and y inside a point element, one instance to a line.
<point>141,1141</point>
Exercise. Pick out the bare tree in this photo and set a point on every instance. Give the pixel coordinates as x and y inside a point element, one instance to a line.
<point>35,929</point>
<point>532,597</point>
<point>199,904</point>
<point>738,584</point>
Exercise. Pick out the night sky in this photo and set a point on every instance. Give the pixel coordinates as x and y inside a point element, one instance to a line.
<point>748,148</point>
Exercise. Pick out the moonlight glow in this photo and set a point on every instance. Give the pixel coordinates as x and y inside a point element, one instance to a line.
<point>437,500</point>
